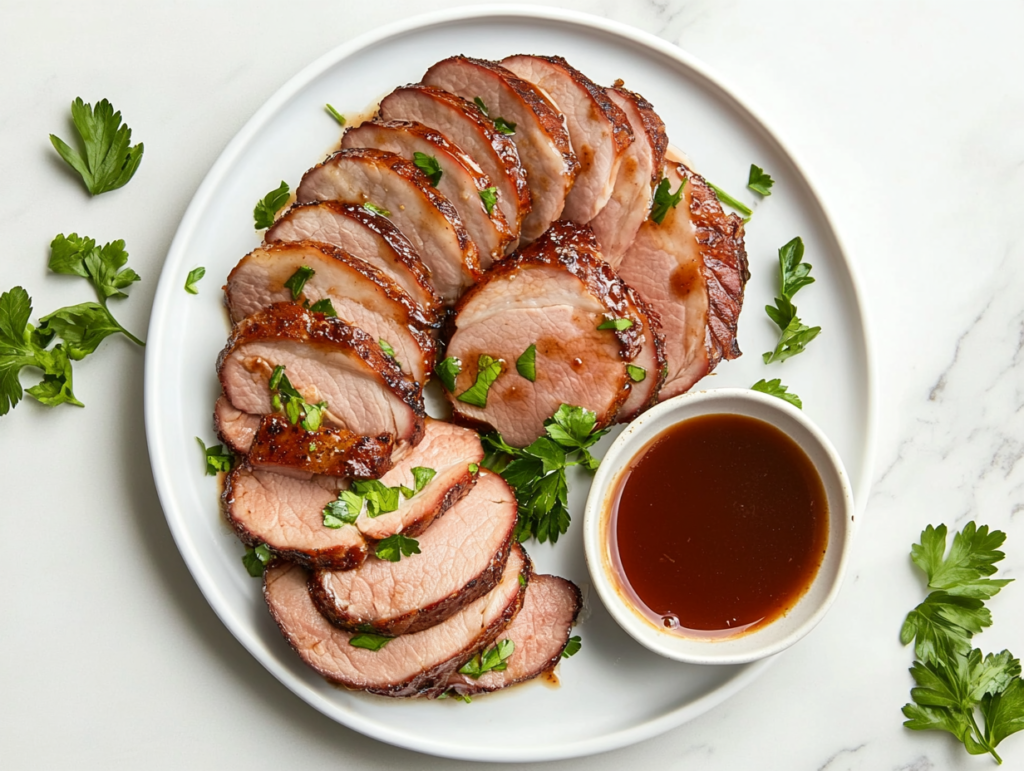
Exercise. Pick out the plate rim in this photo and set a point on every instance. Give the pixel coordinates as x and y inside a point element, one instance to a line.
<point>166,285</point>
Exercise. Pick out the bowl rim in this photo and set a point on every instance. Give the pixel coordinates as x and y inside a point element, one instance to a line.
<point>625,448</point>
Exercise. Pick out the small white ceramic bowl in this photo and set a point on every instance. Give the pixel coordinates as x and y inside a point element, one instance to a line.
<point>761,641</point>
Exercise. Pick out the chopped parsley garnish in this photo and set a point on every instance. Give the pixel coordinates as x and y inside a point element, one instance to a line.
<point>298,280</point>
<point>537,472</point>
<point>194,277</point>
<point>490,197</point>
<point>636,374</point>
<point>488,370</point>
<point>342,511</point>
<point>955,682</point>
<point>522,580</point>
<point>493,659</point>
<point>396,546</point>
<point>793,276</point>
<point>572,647</point>
<point>256,559</point>
<point>421,477</point>
<point>665,199</point>
<point>775,388</point>
<point>616,324</point>
<point>759,180</point>
<point>268,206</point>
<point>217,458</point>
<point>379,498</point>
<point>480,103</point>
<point>285,396</point>
<point>526,364</point>
<point>728,200</point>
<point>107,161</point>
<point>324,306</point>
<point>429,166</point>
<point>447,371</point>
<point>372,642</point>
<point>502,125</point>
<point>453,694</point>
<point>388,350</point>
<point>376,209</point>
<point>474,468</point>
<point>335,114</point>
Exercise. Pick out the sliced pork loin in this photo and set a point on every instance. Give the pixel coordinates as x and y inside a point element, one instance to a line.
<point>539,632</point>
<point>616,225</point>
<point>553,295</point>
<point>235,428</point>
<point>325,360</point>
<point>462,557</point>
<point>540,134</point>
<point>330,451</point>
<point>598,129</point>
<point>465,125</point>
<point>418,664</point>
<point>461,180</point>
<point>366,235</point>
<point>396,186</point>
<point>674,265</point>
<point>359,293</point>
<point>650,368</point>
<point>285,510</point>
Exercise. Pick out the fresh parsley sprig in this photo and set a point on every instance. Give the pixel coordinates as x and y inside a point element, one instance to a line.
<point>269,205</point>
<point>284,396</point>
<point>729,200</point>
<point>256,559</point>
<point>760,181</point>
<point>794,275</point>
<point>955,682</point>
<point>194,277</point>
<point>106,161</point>
<point>775,388</point>
<point>664,199</point>
<point>217,458</point>
<point>396,546</point>
<point>537,472</point>
<point>493,659</point>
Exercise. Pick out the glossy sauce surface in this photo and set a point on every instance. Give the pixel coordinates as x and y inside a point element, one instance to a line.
<point>718,526</point>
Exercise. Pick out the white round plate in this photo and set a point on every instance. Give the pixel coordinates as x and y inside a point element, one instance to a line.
<point>614,692</point>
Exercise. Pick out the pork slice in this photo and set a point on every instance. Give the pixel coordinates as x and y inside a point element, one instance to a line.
<point>235,428</point>
<point>461,558</point>
<point>462,180</point>
<point>396,186</point>
<point>360,294</point>
<point>286,513</point>
<point>447,449</point>
<point>645,382</point>
<point>554,295</point>
<point>327,451</point>
<point>411,665</point>
<point>326,360</point>
<point>598,128</point>
<point>462,122</point>
<point>540,134</point>
<point>540,633</point>
<point>366,235</point>
<point>616,225</point>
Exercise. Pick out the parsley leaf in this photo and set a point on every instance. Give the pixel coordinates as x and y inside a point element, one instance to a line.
<point>793,271</point>
<point>23,346</point>
<point>421,477</point>
<point>394,547</point>
<point>775,388</point>
<point>759,181</point>
<point>388,350</point>
<point>452,693</point>
<point>335,114</point>
<point>372,642</point>
<point>376,209</point>
<point>447,371</point>
<point>268,206</point>
<point>636,374</point>
<point>795,337</point>
<point>81,328</point>
<point>380,499</point>
<point>217,458</point>
<point>728,200</point>
<point>480,103</point>
<point>429,166</point>
<point>194,277</point>
<point>793,276</point>
<point>572,647</point>
<point>298,279</point>
<point>256,559</point>
<point>324,306</point>
<point>490,197</point>
<point>473,468</point>
<point>526,364</point>
<point>493,659</point>
<point>504,126</point>
<point>488,370</point>
<point>665,199</point>
<point>109,161</point>
<point>616,324</point>
<point>343,511</point>
<point>972,557</point>
<point>285,396</point>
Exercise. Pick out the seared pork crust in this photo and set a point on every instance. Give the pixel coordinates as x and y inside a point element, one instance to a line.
<point>327,451</point>
<point>644,395</point>
<point>654,128</point>
<point>720,237</point>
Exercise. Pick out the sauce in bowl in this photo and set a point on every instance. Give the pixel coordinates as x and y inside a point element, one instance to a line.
<point>718,526</point>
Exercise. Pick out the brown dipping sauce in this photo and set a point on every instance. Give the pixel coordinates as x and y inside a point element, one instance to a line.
<point>718,526</point>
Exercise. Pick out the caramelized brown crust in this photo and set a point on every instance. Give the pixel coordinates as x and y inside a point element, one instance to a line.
<point>454,494</point>
<point>503,146</point>
<point>421,618</point>
<point>290,321</point>
<point>654,128</point>
<point>654,380</point>
<point>404,252</point>
<point>328,451</point>
<point>720,238</point>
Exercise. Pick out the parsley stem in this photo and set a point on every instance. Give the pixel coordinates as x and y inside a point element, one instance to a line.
<point>982,740</point>
<point>728,200</point>
<point>116,323</point>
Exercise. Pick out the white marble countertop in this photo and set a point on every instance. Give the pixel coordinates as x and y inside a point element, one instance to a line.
<point>908,117</point>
